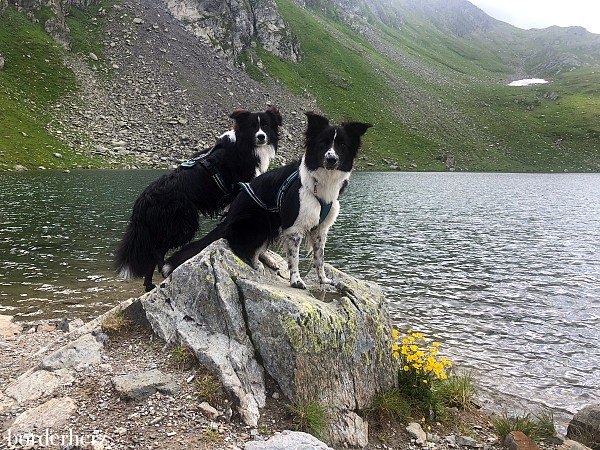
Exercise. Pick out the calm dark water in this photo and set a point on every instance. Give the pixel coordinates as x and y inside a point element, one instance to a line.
<point>502,269</point>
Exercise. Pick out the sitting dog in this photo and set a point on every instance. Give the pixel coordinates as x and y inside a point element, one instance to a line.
<point>165,215</point>
<point>288,203</point>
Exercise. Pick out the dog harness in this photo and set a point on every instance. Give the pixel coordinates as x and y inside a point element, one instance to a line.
<point>210,168</point>
<point>325,207</point>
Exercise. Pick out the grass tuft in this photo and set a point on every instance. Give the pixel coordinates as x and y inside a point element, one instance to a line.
<point>309,417</point>
<point>116,323</point>
<point>184,356</point>
<point>390,404</point>
<point>208,388</point>
<point>535,426</point>
<point>458,390</point>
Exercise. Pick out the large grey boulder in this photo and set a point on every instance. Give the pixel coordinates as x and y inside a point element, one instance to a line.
<point>330,345</point>
<point>585,427</point>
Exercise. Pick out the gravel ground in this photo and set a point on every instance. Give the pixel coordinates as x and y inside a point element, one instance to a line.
<point>180,421</point>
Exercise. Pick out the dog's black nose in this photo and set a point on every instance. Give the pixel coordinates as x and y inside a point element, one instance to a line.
<point>331,160</point>
<point>261,137</point>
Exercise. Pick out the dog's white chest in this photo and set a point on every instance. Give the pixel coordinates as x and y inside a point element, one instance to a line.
<point>264,154</point>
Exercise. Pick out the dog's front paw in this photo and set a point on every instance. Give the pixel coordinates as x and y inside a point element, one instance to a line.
<point>325,280</point>
<point>298,284</point>
<point>259,267</point>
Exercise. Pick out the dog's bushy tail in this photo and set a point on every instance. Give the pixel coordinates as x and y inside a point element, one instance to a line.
<point>190,250</point>
<point>134,257</point>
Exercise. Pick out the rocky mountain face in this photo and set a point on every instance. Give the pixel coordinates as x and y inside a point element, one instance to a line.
<point>173,70</point>
<point>234,26</point>
<point>159,92</point>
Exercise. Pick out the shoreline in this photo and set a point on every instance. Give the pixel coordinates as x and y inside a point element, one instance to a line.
<point>138,348</point>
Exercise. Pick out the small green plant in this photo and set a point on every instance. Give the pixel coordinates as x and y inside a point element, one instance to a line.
<point>582,435</point>
<point>183,356</point>
<point>211,436</point>
<point>309,417</point>
<point>116,322</point>
<point>457,390</point>
<point>390,404</point>
<point>208,388</point>
<point>536,426</point>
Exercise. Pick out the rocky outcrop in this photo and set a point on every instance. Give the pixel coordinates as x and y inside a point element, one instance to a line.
<point>235,26</point>
<point>585,427</point>
<point>328,345</point>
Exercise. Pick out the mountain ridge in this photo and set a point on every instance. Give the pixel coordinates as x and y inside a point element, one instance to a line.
<point>431,75</point>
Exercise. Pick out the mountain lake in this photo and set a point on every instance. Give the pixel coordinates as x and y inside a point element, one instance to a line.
<point>502,269</point>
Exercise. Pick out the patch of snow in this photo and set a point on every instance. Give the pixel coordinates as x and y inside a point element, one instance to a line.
<point>527,82</point>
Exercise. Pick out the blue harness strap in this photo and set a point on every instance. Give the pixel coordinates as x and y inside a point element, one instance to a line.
<point>211,169</point>
<point>325,207</point>
<point>246,187</point>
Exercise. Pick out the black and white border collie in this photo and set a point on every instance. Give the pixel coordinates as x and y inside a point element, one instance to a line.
<point>289,203</point>
<point>165,215</point>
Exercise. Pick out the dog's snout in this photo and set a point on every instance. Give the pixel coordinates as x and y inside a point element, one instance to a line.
<point>331,160</point>
<point>261,137</point>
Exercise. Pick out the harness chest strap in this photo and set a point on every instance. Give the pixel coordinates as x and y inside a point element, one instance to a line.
<point>325,207</point>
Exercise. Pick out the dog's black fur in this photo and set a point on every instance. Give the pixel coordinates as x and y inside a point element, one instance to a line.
<point>323,172</point>
<point>165,215</point>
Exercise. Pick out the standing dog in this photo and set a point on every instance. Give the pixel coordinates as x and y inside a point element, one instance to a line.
<point>165,215</point>
<point>297,200</point>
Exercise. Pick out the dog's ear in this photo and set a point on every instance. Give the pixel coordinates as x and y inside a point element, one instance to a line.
<point>275,115</point>
<point>239,115</point>
<point>316,123</point>
<point>356,129</point>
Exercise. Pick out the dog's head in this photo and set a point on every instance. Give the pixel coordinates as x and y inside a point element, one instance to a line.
<point>332,147</point>
<point>260,128</point>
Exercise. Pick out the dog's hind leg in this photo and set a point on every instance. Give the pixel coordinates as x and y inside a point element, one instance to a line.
<point>148,285</point>
<point>292,243</point>
<point>255,261</point>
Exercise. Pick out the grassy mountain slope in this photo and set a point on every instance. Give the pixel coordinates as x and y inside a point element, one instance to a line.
<point>33,80</point>
<point>432,94</point>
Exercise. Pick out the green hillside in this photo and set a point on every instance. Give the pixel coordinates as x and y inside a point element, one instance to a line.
<point>431,79</point>
<point>33,80</point>
<point>432,95</point>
